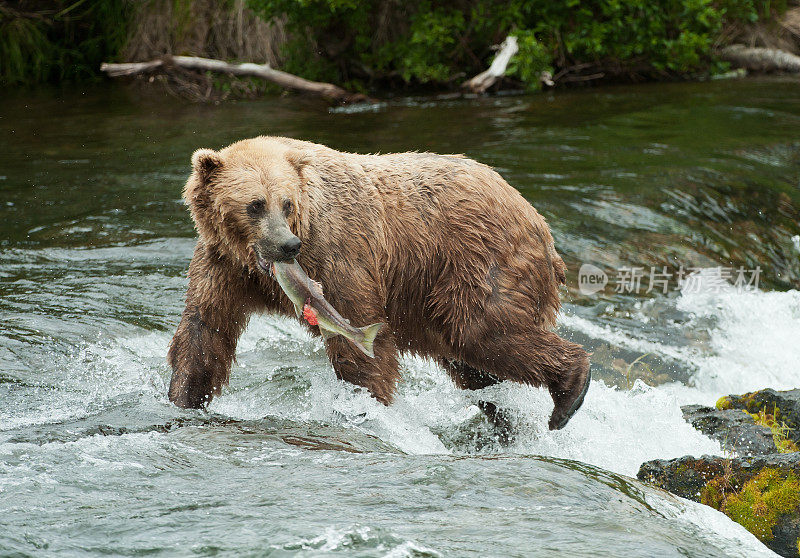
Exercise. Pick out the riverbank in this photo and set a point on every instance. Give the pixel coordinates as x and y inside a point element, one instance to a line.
<point>382,48</point>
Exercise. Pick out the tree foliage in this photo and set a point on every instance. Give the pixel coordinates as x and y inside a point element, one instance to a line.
<point>430,41</point>
<point>398,43</point>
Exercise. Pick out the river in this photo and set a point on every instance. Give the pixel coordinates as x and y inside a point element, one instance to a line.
<point>702,179</point>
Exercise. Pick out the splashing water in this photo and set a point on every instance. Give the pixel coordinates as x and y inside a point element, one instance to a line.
<point>289,461</point>
<point>284,386</point>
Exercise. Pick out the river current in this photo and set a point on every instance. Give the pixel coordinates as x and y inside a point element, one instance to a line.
<point>698,181</point>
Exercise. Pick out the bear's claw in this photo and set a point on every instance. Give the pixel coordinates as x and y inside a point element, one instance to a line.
<point>566,406</point>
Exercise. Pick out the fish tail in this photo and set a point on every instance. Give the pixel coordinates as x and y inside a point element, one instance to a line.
<point>369,332</point>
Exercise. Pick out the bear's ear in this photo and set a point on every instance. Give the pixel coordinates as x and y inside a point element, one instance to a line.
<point>197,191</point>
<point>205,162</point>
<point>298,159</point>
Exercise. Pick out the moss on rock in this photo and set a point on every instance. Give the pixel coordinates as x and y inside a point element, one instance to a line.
<point>724,403</point>
<point>760,489</point>
<point>783,404</point>
<point>762,493</point>
<point>779,411</point>
<point>762,501</point>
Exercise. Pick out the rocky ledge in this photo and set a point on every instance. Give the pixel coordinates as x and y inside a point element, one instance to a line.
<point>759,485</point>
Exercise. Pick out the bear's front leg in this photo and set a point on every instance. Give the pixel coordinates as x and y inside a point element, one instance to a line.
<point>379,375</point>
<point>219,302</point>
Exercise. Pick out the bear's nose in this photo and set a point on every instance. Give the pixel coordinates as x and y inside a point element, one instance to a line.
<point>291,247</point>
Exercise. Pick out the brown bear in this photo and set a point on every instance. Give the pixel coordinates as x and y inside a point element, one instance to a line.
<point>439,247</point>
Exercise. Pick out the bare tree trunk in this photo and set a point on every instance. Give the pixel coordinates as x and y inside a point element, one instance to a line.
<point>265,71</point>
<point>487,78</point>
<point>761,59</point>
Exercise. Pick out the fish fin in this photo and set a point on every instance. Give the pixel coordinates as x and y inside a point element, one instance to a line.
<point>316,286</point>
<point>369,332</point>
<point>326,333</point>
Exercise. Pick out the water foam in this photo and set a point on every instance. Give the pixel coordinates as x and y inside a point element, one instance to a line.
<point>755,342</point>
<point>283,372</point>
<point>360,538</point>
<point>85,379</point>
<point>616,429</point>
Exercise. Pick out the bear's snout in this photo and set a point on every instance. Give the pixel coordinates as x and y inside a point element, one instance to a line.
<point>291,248</point>
<point>284,250</point>
<point>276,242</point>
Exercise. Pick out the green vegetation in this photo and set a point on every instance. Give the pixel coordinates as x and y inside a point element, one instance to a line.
<point>628,373</point>
<point>758,412</point>
<point>780,431</point>
<point>428,41</point>
<point>382,43</point>
<point>759,504</point>
<point>60,40</point>
<point>724,403</point>
<point>713,493</point>
<point>762,501</point>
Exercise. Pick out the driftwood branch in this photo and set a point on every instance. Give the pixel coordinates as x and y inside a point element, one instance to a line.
<point>264,71</point>
<point>487,78</point>
<point>761,59</point>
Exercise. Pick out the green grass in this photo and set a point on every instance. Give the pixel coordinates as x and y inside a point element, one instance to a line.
<point>60,40</point>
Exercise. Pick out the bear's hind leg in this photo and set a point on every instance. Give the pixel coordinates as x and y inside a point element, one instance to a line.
<point>466,377</point>
<point>539,358</point>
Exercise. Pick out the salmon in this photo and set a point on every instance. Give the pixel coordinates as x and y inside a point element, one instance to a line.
<point>310,305</point>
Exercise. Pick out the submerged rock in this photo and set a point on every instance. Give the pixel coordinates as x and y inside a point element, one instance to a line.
<point>762,493</point>
<point>735,430</point>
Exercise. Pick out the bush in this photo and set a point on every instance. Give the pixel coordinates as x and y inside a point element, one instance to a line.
<point>389,43</point>
<point>429,41</point>
<point>60,40</point>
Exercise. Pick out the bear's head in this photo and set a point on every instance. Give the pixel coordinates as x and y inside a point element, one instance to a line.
<point>249,201</point>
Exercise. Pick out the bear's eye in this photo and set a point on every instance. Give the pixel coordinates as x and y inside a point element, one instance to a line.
<point>255,208</point>
<point>288,206</point>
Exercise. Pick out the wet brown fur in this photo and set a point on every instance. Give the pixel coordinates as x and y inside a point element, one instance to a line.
<point>441,248</point>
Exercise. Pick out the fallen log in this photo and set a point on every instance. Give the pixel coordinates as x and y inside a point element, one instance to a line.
<point>487,78</point>
<point>758,59</point>
<point>329,91</point>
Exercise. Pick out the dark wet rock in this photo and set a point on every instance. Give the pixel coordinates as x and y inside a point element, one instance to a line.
<point>617,366</point>
<point>735,430</point>
<point>686,476</point>
<point>308,435</point>
<point>784,405</point>
<point>762,493</point>
<point>760,488</point>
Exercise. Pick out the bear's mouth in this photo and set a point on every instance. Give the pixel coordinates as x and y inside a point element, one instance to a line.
<point>264,265</point>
